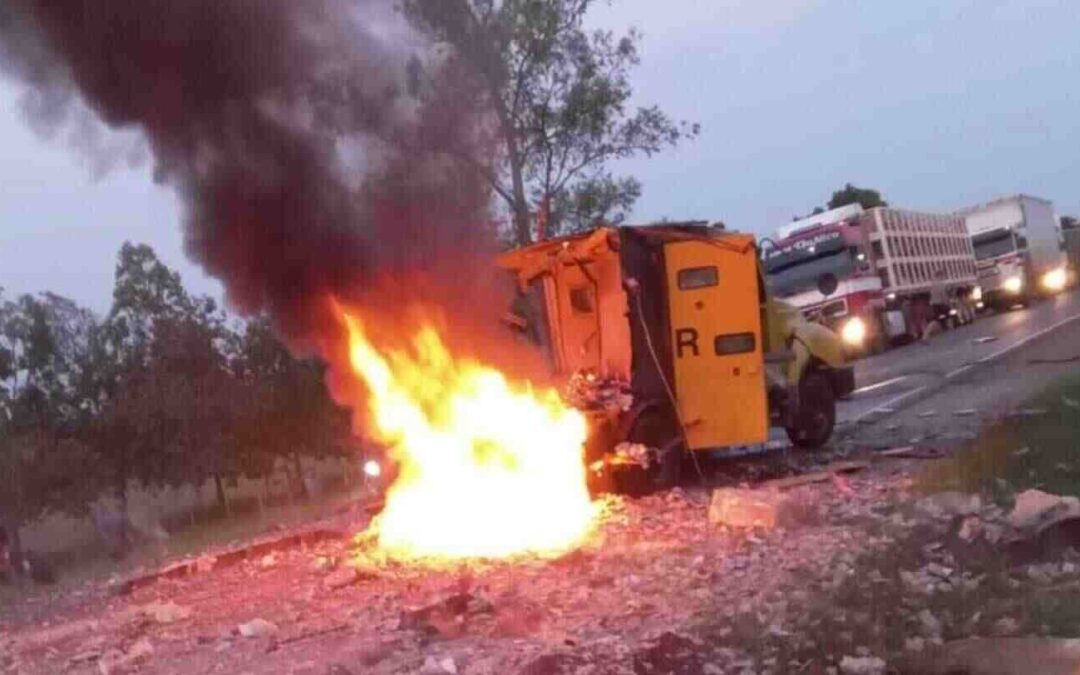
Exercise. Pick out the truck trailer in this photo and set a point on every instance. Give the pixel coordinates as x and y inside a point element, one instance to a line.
<point>879,276</point>
<point>1018,249</point>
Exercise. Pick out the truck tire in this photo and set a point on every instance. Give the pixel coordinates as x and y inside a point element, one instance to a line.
<point>816,415</point>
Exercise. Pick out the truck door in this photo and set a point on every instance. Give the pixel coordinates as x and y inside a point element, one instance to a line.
<point>716,338</point>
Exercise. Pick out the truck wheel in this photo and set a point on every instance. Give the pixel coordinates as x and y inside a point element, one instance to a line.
<point>816,416</point>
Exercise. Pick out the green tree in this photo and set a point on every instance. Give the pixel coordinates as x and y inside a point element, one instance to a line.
<point>136,386</point>
<point>42,465</point>
<point>558,94</point>
<point>604,200</point>
<point>291,414</point>
<point>849,194</point>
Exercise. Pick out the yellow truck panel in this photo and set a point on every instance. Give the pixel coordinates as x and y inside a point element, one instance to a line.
<point>716,338</point>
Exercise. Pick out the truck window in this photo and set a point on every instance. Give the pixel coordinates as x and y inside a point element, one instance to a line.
<point>875,246</point>
<point>698,277</point>
<point>993,244</point>
<point>581,299</point>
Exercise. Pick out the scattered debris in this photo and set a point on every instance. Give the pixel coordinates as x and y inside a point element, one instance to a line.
<point>1035,508</point>
<point>587,391</point>
<point>631,453</point>
<point>928,413</point>
<point>1070,403</point>
<point>949,505</point>
<point>257,628</point>
<point>842,485</point>
<point>736,507</point>
<point>308,635</point>
<point>967,412</point>
<point>165,612</point>
<point>912,452</point>
<point>985,339</point>
<point>929,624</point>
<point>433,666</point>
<point>862,665</point>
<point>117,661</point>
<point>814,477</point>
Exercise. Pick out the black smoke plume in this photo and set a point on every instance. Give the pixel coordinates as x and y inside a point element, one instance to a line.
<point>318,146</point>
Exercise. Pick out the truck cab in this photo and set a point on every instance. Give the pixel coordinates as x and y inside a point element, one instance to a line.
<point>826,272</point>
<point>1018,249</point>
<point>1002,266</point>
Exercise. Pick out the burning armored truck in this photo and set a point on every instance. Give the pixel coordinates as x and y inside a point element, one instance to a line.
<point>672,345</point>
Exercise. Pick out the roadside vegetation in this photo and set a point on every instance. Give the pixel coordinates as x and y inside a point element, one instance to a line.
<point>165,392</point>
<point>1037,447</point>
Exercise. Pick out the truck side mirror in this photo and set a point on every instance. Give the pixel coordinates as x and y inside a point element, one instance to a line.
<point>827,284</point>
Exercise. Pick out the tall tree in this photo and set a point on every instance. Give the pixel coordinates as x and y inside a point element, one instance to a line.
<point>131,387</point>
<point>42,466</point>
<point>590,203</point>
<point>293,415</point>
<point>559,96</point>
<point>849,194</point>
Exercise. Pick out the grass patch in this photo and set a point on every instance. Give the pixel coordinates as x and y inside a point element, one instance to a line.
<point>1028,451</point>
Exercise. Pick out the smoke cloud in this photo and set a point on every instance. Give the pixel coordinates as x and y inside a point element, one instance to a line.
<point>319,146</point>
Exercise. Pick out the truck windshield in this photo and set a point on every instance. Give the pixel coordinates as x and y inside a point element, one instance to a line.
<point>788,277</point>
<point>993,244</point>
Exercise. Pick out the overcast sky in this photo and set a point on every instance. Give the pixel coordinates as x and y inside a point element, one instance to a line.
<point>939,104</point>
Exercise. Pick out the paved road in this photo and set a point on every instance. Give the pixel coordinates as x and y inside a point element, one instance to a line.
<point>960,407</point>
<point>888,380</point>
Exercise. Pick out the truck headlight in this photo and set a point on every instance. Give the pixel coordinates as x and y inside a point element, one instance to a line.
<point>1055,279</point>
<point>1013,284</point>
<point>976,294</point>
<point>853,331</point>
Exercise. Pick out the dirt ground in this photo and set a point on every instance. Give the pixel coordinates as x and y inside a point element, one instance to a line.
<point>866,572</point>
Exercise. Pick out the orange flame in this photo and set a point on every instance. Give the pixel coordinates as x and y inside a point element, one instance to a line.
<point>487,468</point>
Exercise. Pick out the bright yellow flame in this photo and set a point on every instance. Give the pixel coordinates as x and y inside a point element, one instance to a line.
<point>372,468</point>
<point>854,331</point>
<point>487,468</point>
<point>1055,279</point>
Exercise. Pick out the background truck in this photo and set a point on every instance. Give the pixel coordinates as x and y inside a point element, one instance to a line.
<point>872,274</point>
<point>673,334</point>
<point>1017,243</point>
<point>1070,237</point>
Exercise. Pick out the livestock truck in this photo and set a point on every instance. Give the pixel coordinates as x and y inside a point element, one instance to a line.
<point>877,277</point>
<point>1018,249</point>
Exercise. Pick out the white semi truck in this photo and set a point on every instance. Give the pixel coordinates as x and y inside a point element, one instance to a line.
<point>873,275</point>
<point>1018,249</point>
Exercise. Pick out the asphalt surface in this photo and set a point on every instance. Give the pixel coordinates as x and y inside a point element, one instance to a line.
<point>953,382</point>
